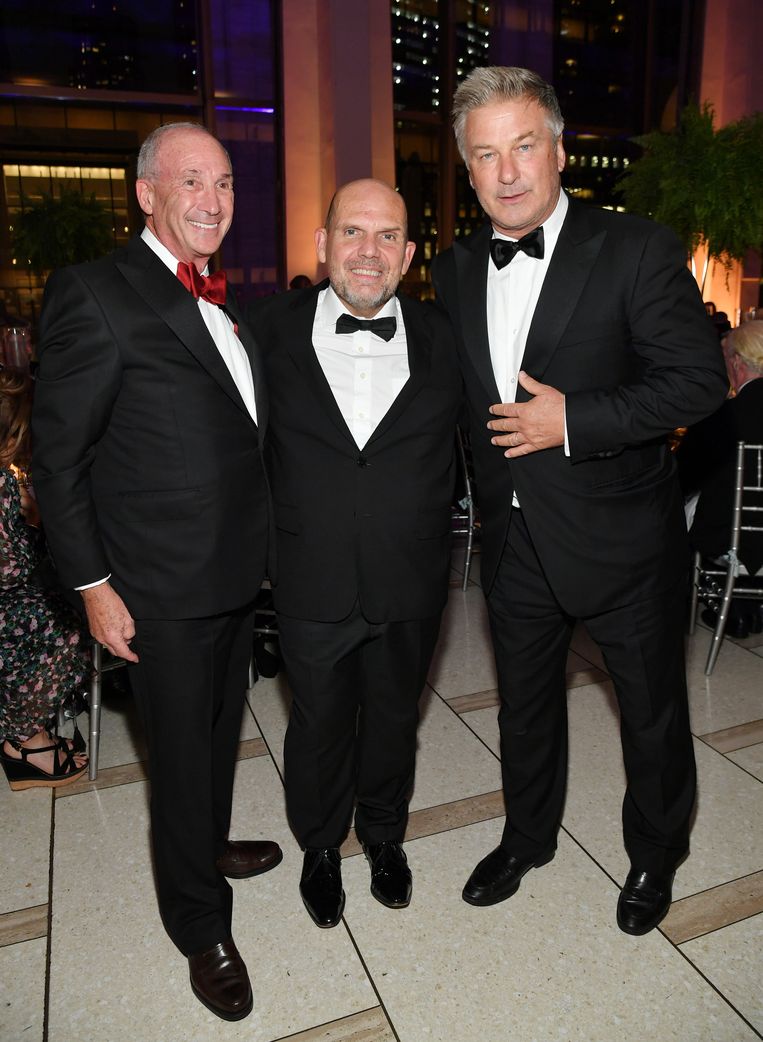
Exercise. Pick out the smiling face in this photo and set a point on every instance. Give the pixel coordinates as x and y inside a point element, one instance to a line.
<point>514,164</point>
<point>365,245</point>
<point>188,198</point>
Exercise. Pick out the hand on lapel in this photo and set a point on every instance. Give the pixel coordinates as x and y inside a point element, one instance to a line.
<point>530,426</point>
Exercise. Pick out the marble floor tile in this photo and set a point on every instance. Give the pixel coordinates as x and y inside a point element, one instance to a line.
<point>25,847</point>
<point>22,991</point>
<point>733,738</point>
<point>731,960</point>
<point>732,695</point>
<point>369,1026</point>
<point>723,846</point>
<point>463,660</point>
<point>24,924</point>
<point>537,967</point>
<point>751,759</point>
<point>125,942</point>
<point>713,909</point>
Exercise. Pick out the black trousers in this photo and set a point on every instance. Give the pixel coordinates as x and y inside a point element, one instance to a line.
<point>352,729</point>
<point>643,647</point>
<point>189,686</point>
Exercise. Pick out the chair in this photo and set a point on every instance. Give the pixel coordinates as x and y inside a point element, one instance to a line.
<point>99,666</point>
<point>717,581</point>
<point>464,516</point>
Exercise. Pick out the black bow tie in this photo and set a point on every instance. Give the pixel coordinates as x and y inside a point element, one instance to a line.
<point>382,327</point>
<point>503,251</point>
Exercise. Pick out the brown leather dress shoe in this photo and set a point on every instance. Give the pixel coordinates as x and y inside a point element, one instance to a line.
<point>220,981</point>
<point>244,858</point>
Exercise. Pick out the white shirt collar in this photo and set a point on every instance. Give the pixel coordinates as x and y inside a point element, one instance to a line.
<point>330,307</point>
<point>551,226</point>
<point>162,252</point>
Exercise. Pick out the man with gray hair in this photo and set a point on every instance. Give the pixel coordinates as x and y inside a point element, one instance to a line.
<point>583,336</point>
<point>148,424</point>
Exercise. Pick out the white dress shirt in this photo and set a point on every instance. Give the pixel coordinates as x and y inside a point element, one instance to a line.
<point>364,372</point>
<point>512,295</point>
<point>221,329</point>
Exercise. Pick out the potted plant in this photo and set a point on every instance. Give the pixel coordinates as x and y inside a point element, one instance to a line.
<point>63,230</point>
<point>703,183</point>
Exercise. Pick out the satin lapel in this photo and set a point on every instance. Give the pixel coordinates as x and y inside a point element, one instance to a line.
<point>166,295</point>
<point>419,345</point>
<point>255,361</point>
<point>298,341</point>
<point>471,258</point>
<point>576,251</point>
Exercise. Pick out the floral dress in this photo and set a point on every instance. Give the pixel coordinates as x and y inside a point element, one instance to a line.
<point>42,643</point>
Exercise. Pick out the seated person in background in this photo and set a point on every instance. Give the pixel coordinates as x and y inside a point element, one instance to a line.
<point>42,657</point>
<point>706,463</point>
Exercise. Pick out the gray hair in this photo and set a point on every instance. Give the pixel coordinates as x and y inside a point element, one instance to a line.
<point>747,341</point>
<point>147,161</point>
<point>495,83</point>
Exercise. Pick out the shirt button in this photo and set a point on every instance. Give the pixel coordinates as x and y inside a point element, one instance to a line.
<point>363,376</point>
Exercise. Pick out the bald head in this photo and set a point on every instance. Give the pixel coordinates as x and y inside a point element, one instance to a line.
<point>364,245</point>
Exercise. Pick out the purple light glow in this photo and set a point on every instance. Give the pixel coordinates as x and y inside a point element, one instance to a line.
<point>244,108</point>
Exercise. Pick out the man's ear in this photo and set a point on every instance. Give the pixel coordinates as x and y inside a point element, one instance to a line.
<point>321,235</point>
<point>145,193</point>
<point>410,249</point>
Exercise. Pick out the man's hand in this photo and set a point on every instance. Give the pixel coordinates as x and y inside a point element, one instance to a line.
<point>109,620</point>
<point>530,426</point>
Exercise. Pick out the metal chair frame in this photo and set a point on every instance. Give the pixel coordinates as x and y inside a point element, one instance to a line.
<point>465,518</point>
<point>718,581</point>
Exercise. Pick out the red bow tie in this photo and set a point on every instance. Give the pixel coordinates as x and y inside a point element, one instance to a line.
<point>208,287</point>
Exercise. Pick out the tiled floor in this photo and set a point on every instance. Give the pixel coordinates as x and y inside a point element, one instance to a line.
<point>84,957</point>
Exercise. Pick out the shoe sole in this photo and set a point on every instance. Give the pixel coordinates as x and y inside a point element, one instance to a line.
<point>486,902</point>
<point>326,926</point>
<point>641,930</point>
<point>256,871</point>
<point>44,783</point>
<point>221,1013</point>
<point>390,904</point>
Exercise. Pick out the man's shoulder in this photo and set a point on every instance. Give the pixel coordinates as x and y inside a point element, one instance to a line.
<point>616,222</point>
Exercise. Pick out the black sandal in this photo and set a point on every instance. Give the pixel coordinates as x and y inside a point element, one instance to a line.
<point>24,775</point>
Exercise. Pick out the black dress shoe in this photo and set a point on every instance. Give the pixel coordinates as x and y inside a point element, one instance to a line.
<point>391,881</point>
<point>644,901</point>
<point>321,886</point>
<point>498,876</point>
<point>248,857</point>
<point>220,981</point>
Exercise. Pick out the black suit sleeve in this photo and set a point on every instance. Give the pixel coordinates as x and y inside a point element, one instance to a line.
<point>682,375</point>
<point>77,383</point>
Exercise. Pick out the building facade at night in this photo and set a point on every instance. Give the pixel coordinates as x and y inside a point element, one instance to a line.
<point>306,95</point>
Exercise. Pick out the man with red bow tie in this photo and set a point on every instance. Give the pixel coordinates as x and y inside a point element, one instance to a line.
<point>149,419</point>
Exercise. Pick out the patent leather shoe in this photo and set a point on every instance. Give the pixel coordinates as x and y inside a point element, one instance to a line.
<point>391,881</point>
<point>243,858</point>
<point>220,981</point>
<point>644,901</point>
<point>321,886</point>
<point>498,876</point>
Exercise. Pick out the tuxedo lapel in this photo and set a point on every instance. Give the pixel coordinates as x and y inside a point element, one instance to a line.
<point>166,295</point>
<point>255,361</point>
<point>298,339</point>
<point>471,258</point>
<point>419,346</point>
<point>574,256</point>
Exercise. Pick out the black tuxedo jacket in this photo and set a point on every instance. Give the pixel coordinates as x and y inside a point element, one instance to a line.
<point>374,523</point>
<point>146,462</point>
<point>707,464</point>
<point>620,329</point>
